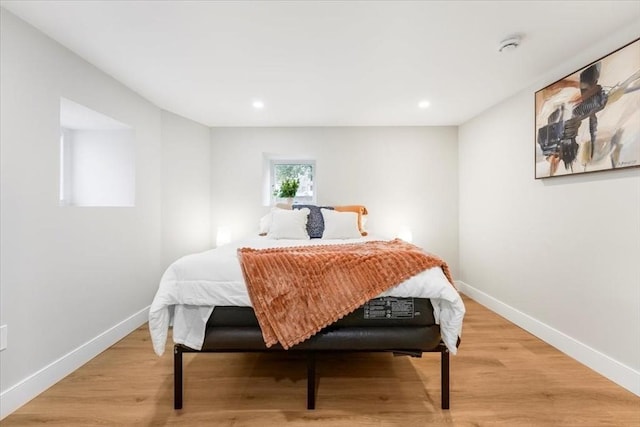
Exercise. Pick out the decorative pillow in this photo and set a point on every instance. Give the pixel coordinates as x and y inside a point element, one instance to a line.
<point>340,225</point>
<point>287,224</point>
<point>315,223</point>
<point>265,221</point>
<point>265,224</point>
<point>360,210</point>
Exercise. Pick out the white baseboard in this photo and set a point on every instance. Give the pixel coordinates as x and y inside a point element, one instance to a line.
<point>21,393</point>
<point>617,372</point>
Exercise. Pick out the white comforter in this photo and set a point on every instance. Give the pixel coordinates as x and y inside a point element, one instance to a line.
<point>193,285</point>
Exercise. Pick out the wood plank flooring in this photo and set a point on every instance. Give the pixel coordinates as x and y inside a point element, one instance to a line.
<point>502,376</point>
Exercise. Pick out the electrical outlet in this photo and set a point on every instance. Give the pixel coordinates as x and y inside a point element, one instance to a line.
<point>3,337</point>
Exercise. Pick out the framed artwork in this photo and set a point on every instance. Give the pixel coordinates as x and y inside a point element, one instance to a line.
<point>589,120</point>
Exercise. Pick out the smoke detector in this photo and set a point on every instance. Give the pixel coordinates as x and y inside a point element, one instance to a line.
<point>509,44</point>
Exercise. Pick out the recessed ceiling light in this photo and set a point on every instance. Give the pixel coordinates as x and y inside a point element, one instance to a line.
<point>508,44</point>
<point>258,105</point>
<point>424,104</point>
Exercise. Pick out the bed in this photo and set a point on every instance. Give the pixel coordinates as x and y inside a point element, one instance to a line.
<point>212,302</point>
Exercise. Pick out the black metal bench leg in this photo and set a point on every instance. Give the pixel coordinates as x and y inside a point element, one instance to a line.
<point>177,377</point>
<point>311,380</point>
<point>444,378</point>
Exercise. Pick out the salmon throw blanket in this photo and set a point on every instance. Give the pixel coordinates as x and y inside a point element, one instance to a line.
<point>297,291</point>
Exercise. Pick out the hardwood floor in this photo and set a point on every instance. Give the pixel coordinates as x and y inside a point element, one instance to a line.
<point>502,376</point>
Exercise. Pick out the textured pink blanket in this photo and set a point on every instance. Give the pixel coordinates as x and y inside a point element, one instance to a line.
<point>297,291</point>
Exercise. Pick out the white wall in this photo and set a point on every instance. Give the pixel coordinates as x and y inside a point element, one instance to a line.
<point>404,175</point>
<point>72,280</point>
<point>558,256</point>
<point>186,190</point>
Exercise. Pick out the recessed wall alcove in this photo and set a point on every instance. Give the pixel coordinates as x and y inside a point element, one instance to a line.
<point>97,158</point>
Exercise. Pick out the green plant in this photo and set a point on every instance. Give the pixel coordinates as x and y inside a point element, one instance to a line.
<point>288,187</point>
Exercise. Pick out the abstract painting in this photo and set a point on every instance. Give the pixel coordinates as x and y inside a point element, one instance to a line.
<point>589,121</point>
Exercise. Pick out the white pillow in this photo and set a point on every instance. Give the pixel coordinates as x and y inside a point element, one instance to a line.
<point>289,224</point>
<point>340,225</point>
<point>265,221</point>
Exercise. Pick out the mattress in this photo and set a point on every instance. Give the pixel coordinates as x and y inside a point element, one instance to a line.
<point>381,324</point>
<point>383,311</point>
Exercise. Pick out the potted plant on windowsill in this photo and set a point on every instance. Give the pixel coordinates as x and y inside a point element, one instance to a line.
<point>288,189</point>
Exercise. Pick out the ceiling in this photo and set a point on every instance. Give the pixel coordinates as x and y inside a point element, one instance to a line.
<point>318,63</point>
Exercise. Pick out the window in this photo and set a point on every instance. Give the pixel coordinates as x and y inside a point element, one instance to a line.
<point>302,170</point>
<point>97,158</point>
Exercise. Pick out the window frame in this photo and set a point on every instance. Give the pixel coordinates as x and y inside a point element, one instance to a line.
<point>274,162</point>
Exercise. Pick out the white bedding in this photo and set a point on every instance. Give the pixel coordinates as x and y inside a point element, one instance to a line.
<point>193,285</point>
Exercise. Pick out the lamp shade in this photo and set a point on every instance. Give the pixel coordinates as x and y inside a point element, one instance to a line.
<point>405,234</point>
<point>223,236</point>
